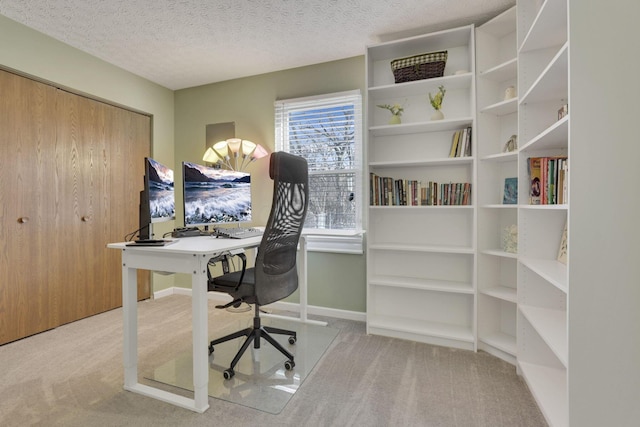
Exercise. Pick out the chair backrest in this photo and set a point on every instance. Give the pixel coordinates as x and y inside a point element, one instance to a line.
<point>276,276</point>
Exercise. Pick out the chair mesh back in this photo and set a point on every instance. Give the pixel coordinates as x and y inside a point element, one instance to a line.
<point>276,274</point>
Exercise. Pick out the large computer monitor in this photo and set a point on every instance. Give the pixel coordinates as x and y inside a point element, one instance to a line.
<point>157,199</point>
<point>215,196</point>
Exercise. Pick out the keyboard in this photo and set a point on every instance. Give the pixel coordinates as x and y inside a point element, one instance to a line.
<point>237,233</point>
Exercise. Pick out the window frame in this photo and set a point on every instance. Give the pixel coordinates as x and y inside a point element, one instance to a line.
<point>345,241</point>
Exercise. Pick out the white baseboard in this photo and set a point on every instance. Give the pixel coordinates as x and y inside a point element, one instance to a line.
<point>280,305</point>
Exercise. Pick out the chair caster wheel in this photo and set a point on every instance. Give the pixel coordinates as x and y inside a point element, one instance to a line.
<point>228,374</point>
<point>292,340</point>
<point>289,364</point>
<point>210,349</point>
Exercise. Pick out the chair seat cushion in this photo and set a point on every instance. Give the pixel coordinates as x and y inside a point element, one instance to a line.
<point>228,282</point>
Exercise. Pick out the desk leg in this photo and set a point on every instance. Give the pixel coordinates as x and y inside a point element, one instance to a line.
<point>130,326</point>
<point>200,336</point>
<point>303,279</point>
<point>303,282</point>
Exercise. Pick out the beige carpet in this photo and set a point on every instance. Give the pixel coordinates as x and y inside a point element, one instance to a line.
<point>72,376</point>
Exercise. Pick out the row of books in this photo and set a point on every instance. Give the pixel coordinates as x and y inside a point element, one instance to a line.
<point>461,143</point>
<point>387,191</point>
<point>548,177</point>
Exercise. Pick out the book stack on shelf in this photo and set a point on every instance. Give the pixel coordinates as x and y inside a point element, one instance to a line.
<point>461,143</point>
<point>548,178</point>
<point>387,191</point>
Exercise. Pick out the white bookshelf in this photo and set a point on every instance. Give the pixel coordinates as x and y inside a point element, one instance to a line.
<point>496,56</point>
<point>421,260</point>
<point>542,281</point>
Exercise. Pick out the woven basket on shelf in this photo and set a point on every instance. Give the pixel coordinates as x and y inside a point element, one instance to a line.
<point>419,67</point>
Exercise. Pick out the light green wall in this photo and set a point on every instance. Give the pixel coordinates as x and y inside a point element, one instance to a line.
<point>336,281</point>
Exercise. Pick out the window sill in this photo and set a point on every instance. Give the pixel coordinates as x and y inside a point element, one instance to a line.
<point>334,241</point>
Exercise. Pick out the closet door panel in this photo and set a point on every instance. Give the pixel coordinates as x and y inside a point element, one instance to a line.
<point>80,214</point>
<point>129,138</point>
<point>28,200</point>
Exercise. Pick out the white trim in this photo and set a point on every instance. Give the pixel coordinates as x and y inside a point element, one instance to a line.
<point>322,97</point>
<point>321,311</point>
<point>280,305</point>
<point>335,244</point>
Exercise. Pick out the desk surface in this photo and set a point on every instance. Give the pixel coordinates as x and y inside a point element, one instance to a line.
<point>208,244</point>
<point>195,245</point>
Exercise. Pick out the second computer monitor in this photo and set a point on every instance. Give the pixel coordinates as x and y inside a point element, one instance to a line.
<point>215,196</point>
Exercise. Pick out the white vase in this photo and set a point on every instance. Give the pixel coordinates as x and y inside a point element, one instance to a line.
<point>394,120</point>
<point>438,115</point>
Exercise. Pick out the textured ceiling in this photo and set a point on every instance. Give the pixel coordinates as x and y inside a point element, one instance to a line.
<point>186,43</point>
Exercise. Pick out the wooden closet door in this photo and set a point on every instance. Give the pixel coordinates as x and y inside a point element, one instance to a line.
<point>71,170</point>
<point>101,152</point>
<point>28,201</point>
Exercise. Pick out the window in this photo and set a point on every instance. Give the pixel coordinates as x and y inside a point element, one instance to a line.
<point>327,131</point>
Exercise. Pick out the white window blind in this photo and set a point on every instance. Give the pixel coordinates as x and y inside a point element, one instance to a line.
<point>327,131</point>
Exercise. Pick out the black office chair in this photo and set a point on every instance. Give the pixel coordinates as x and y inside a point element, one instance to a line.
<point>274,276</point>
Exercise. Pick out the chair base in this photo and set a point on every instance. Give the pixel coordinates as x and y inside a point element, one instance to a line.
<point>255,334</point>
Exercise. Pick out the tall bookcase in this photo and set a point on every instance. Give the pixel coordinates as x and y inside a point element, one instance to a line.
<point>542,337</point>
<point>496,59</point>
<point>421,265</point>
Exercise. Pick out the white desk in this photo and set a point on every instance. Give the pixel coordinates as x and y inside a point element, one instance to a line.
<point>188,255</point>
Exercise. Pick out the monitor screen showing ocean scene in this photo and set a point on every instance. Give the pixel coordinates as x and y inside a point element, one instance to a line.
<point>215,196</point>
<point>162,201</point>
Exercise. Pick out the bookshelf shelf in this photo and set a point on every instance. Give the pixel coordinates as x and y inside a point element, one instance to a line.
<point>502,108</point>
<point>550,270</point>
<point>385,52</point>
<point>547,27</point>
<point>548,387</point>
<point>424,284</point>
<point>551,325</point>
<point>406,89</point>
<point>445,161</point>
<point>500,253</point>
<point>552,137</point>
<point>421,127</point>
<point>562,207</point>
<point>421,259</point>
<point>438,207</point>
<point>500,206</point>
<point>379,324</point>
<point>511,156</point>
<point>423,248</point>
<point>501,292</point>
<point>501,341</point>
<point>552,83</point>
<point>501,72</point>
